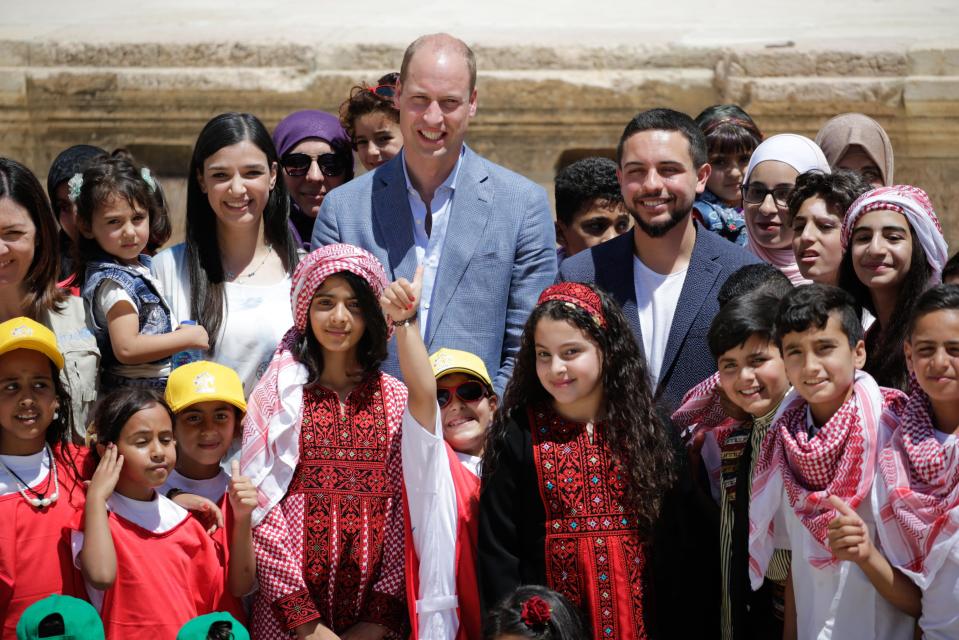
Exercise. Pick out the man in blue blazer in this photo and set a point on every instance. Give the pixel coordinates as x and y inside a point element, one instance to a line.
<point>667,272</point>
<point>483,235</point>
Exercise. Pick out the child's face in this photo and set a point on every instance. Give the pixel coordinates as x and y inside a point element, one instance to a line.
<point>570,367</point>
<point>766,220</point>
<point>120,229</point>
<point>237,181</point>
<point>336,317</point>
<point>726,179</point>
<point>465,422</point>
<point>932,353</point>
<point>27,401</point>
<point>148,448</point>
<point>881,248</point>
<point>376,138</point>
<point>817,241</point>
<point>204,432</point>
<point>595,224</point>
<point>821,366</point>
<point>753,375</point>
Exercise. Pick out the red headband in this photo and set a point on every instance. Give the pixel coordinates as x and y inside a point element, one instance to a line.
<point>579,295</point>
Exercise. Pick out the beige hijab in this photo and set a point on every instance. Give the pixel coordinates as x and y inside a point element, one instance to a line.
<point>848,129</point>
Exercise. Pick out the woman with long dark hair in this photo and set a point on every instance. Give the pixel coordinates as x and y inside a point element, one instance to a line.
<point>893,251</point>
<point>232,275</point>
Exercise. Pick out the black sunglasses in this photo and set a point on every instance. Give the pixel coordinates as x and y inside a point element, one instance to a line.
<point>469,391</point>
<point>298,164</point>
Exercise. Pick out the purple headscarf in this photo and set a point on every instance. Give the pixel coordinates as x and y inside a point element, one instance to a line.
<point>311,123</point>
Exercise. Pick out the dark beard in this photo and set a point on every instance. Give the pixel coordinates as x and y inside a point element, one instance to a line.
<point>658,231</point>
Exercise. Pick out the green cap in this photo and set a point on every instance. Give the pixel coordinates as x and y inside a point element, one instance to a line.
<point>198,628</point>
<point>66,617</point>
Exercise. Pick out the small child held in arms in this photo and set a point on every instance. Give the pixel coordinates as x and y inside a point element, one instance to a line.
<point>821,451</point>
<point>752,377</point>
<point>207,402</point>
<point>450,406</point>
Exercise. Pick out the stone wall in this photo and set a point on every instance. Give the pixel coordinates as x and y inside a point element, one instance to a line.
<point>535,102</point>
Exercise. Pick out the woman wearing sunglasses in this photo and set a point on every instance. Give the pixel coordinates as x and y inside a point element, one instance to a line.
<point>315,157</point>
<point>767,185</point>
<point>449,407</point>
<point>372,121</point>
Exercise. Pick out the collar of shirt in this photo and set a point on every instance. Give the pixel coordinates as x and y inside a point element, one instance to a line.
<point>441,194</point>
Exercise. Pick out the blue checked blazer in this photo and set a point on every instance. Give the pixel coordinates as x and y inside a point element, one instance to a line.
<point>499,253</point>
<point>687,360</point>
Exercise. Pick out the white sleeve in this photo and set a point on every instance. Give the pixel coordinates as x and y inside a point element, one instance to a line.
<point>431,498</point>
<point>108,294</point>
<point>76,545</point>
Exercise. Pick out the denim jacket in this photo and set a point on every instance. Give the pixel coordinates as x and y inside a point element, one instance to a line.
<point>154,313</point>
<point>728,222</point>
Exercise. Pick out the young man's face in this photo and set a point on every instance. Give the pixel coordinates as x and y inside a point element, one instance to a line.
<point>932,353</point>
<point>817,242</point>
<point>821,366</point>
<point>753,375</point>
<point>465,421</point>
<point>595,223</point>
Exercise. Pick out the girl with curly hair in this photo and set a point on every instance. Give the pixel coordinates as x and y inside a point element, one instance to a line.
<point>583,488</point>
<point>372,121</point>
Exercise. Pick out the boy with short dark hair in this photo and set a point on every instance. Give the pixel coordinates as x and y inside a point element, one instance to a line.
<point>823,444</point>
<point>752,377</point>
<point>589,205</point>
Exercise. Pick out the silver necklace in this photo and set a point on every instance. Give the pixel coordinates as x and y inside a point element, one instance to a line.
<point>40,500</point>
<point>236,276</point>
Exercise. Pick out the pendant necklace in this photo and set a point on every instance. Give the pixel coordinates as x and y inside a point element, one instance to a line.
<point>40,500</point>
<point>229,275</point>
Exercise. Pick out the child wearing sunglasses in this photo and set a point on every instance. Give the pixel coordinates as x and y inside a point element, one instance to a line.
<point>450,405</point>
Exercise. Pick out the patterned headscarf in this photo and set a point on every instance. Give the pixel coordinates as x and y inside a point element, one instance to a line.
<point>577,295</point>
<point>912,202</point>
<point>917,493</point>
<point>271,427</point>
<point>840,461</point>
<point>848,129</point>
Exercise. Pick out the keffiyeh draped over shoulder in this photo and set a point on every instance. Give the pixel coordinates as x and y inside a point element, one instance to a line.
<point>271,427</point>
<point>839,460</point>
<point>917,493</point>
<point>915,205</point>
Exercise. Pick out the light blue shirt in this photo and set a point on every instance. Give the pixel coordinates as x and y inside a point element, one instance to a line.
<point>429,248</point>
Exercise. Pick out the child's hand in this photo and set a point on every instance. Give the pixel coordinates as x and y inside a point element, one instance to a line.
<point>106,476</point>
<point>195,336</point>
<point>848,535</point>
<point>401,299</point>
<point>206,511</point>
<point>242,492</point>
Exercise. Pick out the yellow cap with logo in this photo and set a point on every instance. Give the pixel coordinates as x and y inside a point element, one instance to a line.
<point>447,361</point>
<point>203,381</point>
<point>24,333</point>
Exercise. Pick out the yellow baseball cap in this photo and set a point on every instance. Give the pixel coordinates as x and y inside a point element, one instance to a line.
<point>446,361</point>
<point>203,381</point>
<point>24,333</point>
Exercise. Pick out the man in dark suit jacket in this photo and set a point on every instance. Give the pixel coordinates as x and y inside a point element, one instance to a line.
<point>667,272</point>
<point>483,234</point>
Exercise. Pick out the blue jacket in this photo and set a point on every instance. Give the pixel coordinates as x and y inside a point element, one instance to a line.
<point>153,311</point>
<point>499,253</point>
<point>687,360</point>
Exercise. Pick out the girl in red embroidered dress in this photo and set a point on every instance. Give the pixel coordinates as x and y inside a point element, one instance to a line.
<point>578,425</point>
<point>321,443</point>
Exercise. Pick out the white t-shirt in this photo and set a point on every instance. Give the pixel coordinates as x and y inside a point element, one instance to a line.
<point>32,469</point>
<point>431,497</point>
<point>254,321</point>
<point>656,298</point>
<point>940,613</point>
<point>211,488</point>
<point>110,293</point>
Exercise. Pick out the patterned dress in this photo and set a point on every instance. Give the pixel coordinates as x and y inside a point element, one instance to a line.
<point>332,550</point>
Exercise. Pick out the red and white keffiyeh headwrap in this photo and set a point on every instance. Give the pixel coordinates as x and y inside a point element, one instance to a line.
<point>271,427</point>
<point>840,460</point>
<point>912,202</point>
<point>917,493</point>
<point>702,410</point>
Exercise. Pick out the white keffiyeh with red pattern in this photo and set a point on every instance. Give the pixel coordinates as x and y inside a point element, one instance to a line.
<point>839,460</point>
<point>917,493</point>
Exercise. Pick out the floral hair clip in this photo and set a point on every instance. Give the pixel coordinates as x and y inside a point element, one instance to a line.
<point>536,613</point>
<point>149,179</point>
<point>75,184</point>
